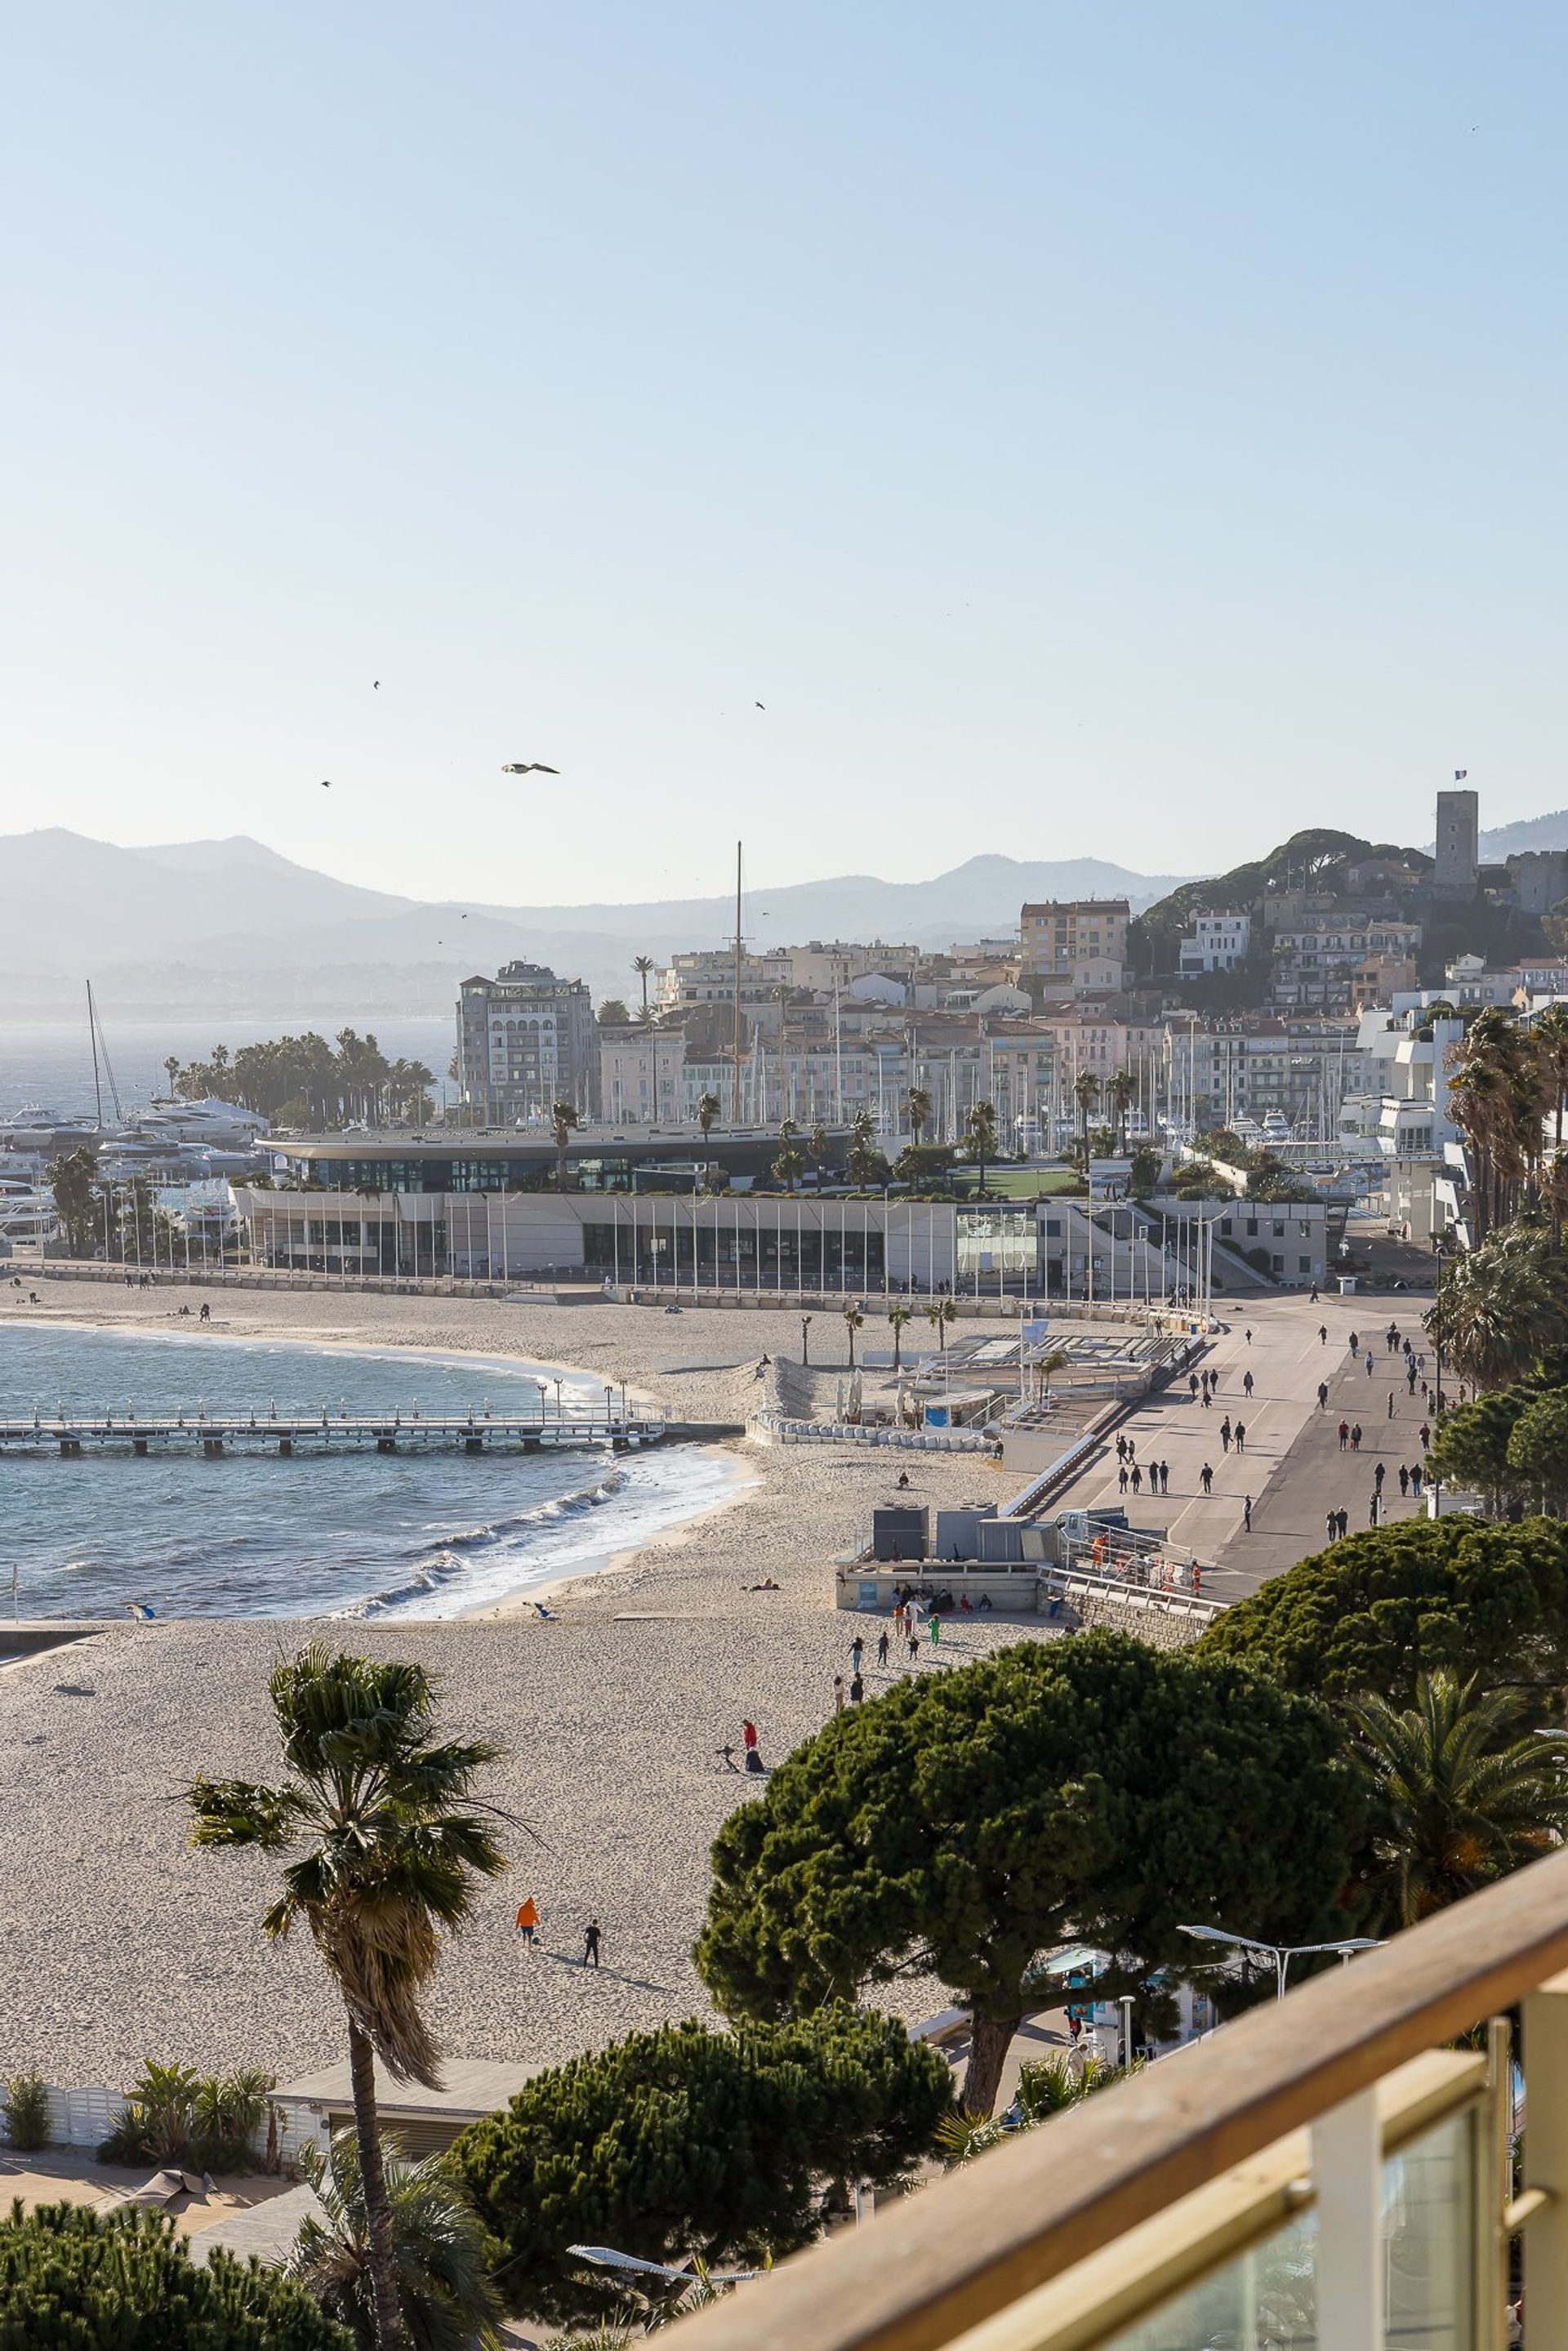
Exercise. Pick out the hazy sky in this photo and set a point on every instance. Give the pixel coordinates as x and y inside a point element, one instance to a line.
<point>1096,427</point>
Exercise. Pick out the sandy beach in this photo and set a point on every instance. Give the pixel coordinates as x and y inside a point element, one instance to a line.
<point>119,1943</point>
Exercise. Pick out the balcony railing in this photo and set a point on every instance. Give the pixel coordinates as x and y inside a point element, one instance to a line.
<point>1327,2171</point>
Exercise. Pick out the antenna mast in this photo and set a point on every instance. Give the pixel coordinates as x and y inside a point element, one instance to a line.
<point>92,1039</point>
<point>738,1042</point>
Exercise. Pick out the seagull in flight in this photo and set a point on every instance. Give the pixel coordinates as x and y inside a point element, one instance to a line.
<point>759,706</point>
<point>326,784</point>
<point>529,767</point>
<point>375,686</point>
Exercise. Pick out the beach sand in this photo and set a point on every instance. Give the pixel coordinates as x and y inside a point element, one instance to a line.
<point>117,1943</point>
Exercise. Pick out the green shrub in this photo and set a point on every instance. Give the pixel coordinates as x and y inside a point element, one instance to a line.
<point>196,2121</point>
<point>26,2111</point>
<point>72,2279</point>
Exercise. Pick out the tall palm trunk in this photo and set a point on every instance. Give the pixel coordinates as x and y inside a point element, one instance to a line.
<point>391,2333</point>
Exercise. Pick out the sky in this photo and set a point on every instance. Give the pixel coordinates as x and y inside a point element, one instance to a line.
<point>1117,429</point>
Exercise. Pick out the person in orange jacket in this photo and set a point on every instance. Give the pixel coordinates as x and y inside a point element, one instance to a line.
<point>528,1921</point>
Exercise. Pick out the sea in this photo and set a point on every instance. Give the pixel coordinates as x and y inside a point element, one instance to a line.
<point>352,1535</point>
<point>50,1062</point>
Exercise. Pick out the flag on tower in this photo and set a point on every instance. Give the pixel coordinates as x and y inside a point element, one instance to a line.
<point>1460,774</point>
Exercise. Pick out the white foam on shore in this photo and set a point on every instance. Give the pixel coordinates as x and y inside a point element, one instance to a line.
<point>578,1532</point>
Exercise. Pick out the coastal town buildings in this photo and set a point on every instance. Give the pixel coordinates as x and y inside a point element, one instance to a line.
<point>525,1039</point>
<point>1215,943</point>
<point>1071,946</point>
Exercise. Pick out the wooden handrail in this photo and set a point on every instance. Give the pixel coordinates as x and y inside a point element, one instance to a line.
<point>942,2261</point>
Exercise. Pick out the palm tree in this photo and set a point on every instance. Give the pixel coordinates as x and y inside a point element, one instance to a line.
<point>171,1069</point>
<point>853,1318</point>
<point>708,1108</point>
<point>73,1179</point>
<point>917,1110</point>
<point>1496,1098</point>
<point>864,1159</point>
<point>1504,1304</point>
<point>1550,1037</point>
<point>788,1167</point>
<point>392,1856</point>
<point>643,966</point>
<point>898,1316</point>
<point>1086,1094</point>
<point>563,1119</point>
<point>1047,2086</point>
<point>1463,1793</point>
<point>980,1134</point>
<point>447,2300</point>
<point>819,1147</point>
<point>1123,1089</point>
<point>939,1313</point>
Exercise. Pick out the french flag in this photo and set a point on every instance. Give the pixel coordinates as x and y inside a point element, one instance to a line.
<point>1460,774</point>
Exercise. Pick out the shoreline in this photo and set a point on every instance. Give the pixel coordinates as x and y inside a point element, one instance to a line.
<point>785,1511</point>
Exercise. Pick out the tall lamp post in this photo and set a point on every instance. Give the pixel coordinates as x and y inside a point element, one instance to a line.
<point>1281,1954</point>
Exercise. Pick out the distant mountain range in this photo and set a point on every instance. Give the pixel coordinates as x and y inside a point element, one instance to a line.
<point>230,923</point>
<point>1530,832</point>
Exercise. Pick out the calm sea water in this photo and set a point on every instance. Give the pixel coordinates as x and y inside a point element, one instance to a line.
<point>50,1063</point>
<point>353,1534</point>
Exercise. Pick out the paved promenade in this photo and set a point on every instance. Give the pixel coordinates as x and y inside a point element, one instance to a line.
<point>1291,1466</point>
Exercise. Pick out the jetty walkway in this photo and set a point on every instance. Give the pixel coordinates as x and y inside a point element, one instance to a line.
<point>211,1434</point>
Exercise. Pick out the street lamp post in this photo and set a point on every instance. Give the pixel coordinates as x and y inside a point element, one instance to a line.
<point>1282,1954</point>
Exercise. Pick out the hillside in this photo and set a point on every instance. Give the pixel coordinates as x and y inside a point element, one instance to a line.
<point>184,921</point>
<point>1529,832</point>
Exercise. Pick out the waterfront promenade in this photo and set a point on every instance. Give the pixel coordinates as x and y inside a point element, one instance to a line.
<point>1292,1467</point>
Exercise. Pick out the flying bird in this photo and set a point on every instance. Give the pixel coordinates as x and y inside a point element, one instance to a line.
<point>530,768</point>
<point>375,686</point>
<point>759,706</point>
<point>326,784</point>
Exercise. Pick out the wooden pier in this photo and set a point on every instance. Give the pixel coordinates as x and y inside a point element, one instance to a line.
<point>213,1436</point>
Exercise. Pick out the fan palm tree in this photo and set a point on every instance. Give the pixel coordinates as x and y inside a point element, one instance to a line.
<point>1496,1098</point>
<point>563,1119</point>
<point>939,1313</point>
<point>643,966</point>
<point>708,1108</point>
<point>171,1069</point>
<point>1550,1037</point>
<point>898,1316</point>
<point>980,1134</point>
<point>1502,1304</point>
<point>73,1179</point>
<point>1464,1793</point>
<point>1122,1088</point>
<point>853,1318</point>
<point>444,2286</point>
<point>1086,1094</point>
<point>864,1160</point>
<point>917,1110</point>
<point>788,1166</point>
<point>819,1147</point>
<point>394,1851</point>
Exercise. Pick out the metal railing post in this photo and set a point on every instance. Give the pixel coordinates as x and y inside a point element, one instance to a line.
<point>1546,2159</point>
<point>1347,2172</point>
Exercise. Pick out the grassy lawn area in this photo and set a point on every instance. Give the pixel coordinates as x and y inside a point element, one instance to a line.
<point>1030,1183</point>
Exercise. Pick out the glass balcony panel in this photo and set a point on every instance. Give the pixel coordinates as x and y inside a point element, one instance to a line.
<point>1428,2201</point>
<point>1263,2300</point>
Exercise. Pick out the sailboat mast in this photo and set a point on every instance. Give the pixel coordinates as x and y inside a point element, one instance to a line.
<point>738,1044</point>
<point>93,1039</point>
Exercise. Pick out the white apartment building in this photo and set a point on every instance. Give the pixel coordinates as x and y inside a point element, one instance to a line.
<point>1215,943</point>
<point>525,1039</point>
<point>642,1071</point>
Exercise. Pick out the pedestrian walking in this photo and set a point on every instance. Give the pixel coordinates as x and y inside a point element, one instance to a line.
<point>1248,1338</point>
<point>1376,1512</point>
<point>1425,1434</point>
<point>1206,1479</point>
<point>1242,1437</point>
<point>838,1692</point>
<point>1343,1435</point>
<point>528,1916</point>
<point>1410,1376</point>
<point>1416,1475</point>
<point>1208,1399</point>
<point>749,1740</point>
<point>1164,1477</point>
<point>1192,1387</point>
<point>857,1651</point>
<point>1323,1395</point>
<point>914,1646</point>
<point>1355,1343</point>
<point>1314,1300</point>
<point>1390,1403</point>
<point>1355,1437</point>
<point>1392,1338</point>
<point>1343,1524</point>
<point>1247,1383</point>
<point>1121,1449</point>
<point>590,1945</point>
<point>1122,1477</point>
<point>857,1690</point>
<point>1378,1476</point>
<point>936,1630</point>
<point>1225,1432</point>
<point>1331,1520</point>
<point>1246,1514</point>
<point>1137,1480</point>
<point>1369,1363</point>
<point>882,1646</point>
<point>1403,1478</point>
<point>1323,1330</point>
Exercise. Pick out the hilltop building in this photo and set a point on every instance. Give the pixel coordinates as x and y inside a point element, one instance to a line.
<point>1458,868</point>
<point>1215,943</point>
<point>1073,947</point>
